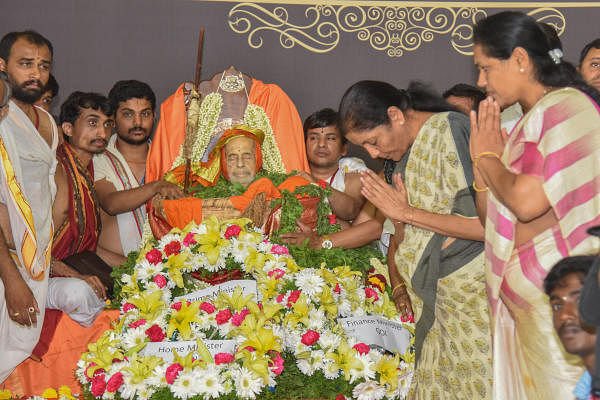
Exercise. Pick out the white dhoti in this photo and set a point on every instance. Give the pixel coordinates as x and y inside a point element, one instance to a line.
<point>27,189</point>
<point>76,298</point>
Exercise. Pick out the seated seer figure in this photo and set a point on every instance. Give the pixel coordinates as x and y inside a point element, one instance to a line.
<point>237,156</point>
<point>189,128</point>
<point>564,284</point>
<point>87,121</point>
<point>326,150</point>
<point>119,172</point>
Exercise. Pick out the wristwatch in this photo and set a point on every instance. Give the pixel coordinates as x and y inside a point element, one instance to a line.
<point>326,243</point>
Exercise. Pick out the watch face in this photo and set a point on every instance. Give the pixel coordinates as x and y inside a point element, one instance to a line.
<point>327,244</point>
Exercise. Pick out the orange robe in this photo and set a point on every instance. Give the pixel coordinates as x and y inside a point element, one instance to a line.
<point>285,121</point>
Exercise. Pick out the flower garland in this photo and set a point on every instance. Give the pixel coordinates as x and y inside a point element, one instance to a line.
<point>256,117</point>
<point>289,327</point>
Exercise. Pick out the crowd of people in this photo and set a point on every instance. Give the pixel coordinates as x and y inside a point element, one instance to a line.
<point>483,204</point>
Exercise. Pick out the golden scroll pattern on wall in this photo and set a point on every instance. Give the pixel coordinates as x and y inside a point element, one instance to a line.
<point>391,29</point>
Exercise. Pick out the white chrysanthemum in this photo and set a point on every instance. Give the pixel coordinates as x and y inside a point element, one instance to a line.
<point>317,358</point>
<point>130,388</point>
<point>365,371</point>
<point>105,396</point>
<point>165,240</point>
<point>199,229</point>
<point>211,383</point>
<point>158,378</point>
<point>404,382</point>
<point>145,393</point>
<point>126,279</point>
<point>146,270</point>
<point>186,385</point>
<point>305,366</point>
<point>329,340</point>
<point>239,250</point>
<point>345,308</point>
<point>264,247</point>
<point>309,282</point>
<point>134,337</point>
<point>331,370</point>
<point>369,390</point>
<point>80,371</point>
<point>247,384</point>
<point>317,320</point>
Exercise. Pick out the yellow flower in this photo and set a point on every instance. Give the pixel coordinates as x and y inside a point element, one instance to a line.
<point>188,361</point>
<point>387,368</point>
<point>100,353</point>
<point>328,303</point>
<point>268,285</point>
<point>250,237</point>
<point>131,288</point>
<point>5,394</point>
<point>300,312</point>
<point>66,392</point>
<point>255,363</point>
<point>258,337</point>
<point>175,264</point>
<point>237,301</point>
<point>255,261</point>
<point>269,312</point>
<point>142,367</point>
<point>344,358</point>
<point>211,243</point>
<point>149,304</point>
<point>50,394</point>
<point>181,320</point>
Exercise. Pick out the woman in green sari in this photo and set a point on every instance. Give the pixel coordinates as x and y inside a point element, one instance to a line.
<point>436,256</point>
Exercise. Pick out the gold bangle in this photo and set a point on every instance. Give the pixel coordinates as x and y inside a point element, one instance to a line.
<point>483,154</point>
<point>475,188</point>
<point>398,286</point>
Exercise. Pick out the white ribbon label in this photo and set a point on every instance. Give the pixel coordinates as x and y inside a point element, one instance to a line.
<point>390,335</point>
<point>248,286</point>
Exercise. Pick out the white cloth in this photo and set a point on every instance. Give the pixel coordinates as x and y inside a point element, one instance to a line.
<point>34,163</point>
<point>346,165</point>
<point>74,297</point>
<point>510,117</point>
<point>130,231</point>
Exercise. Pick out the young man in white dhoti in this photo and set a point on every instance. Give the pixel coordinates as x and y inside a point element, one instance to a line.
<point>28,139</point>
<point>119,171</point>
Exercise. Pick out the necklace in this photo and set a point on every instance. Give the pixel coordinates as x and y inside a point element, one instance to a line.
<point>232,83</point>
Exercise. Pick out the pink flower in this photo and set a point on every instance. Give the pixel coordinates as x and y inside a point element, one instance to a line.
<point>369,292</point>
<point>172,372</point>
<point>332,219</point>
<point>137,323</point>
<point>277,272</point>
<point>189,240</point>
<point>96,372</point>
<point>232,231</point>
<point>173,247</point>
<point>160,281</point>
<point>361,348</point>
<point>337,290</point>
<point>408,318</point>
<point>223,358</point>
<point>310,337</point>
<point>155,333</point>
<point>223,316</point>
<point>207,307</point>
<point>98,385</point>
<point>276,362</point>
<point>176,306</point>
<point>238,318</point>
<point>127,307</point>
<point>322,183</point>
<point>340,397</point>
<point>293,297</point>
<point>249,348</point>
<point>279,249</point>
<point>115,382</point>
<point>280,298</point>
<point>154,256</point>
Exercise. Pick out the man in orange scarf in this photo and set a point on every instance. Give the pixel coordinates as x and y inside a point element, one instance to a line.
<point>237,155</point>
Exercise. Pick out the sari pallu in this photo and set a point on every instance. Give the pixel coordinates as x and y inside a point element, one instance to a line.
<point>446,285</point>
<point>558,141</point>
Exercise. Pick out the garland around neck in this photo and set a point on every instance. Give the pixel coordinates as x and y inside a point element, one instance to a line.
<point>254,116</point>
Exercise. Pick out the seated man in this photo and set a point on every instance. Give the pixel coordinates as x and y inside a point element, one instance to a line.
<point>563,285</point>
<point>238,156</point>
<point>119,172</point>
<point>87,121</point>
<point>326,149</point>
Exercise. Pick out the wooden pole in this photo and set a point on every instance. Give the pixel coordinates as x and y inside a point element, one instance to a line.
<point>188,161</point>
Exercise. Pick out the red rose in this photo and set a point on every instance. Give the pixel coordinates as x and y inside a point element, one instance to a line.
<point>176,306</point>
<point>337,288</point>
<point>322,183</point>
<point>160,281</point>
<point>332,219</point>
<point>172,372</point>
<point>369,292</point>
<point>189,240</point>
<point>223,316</point>
<point>127,307</point>
<point>223,358</point>
<point>98,385</point>
<point>310,337</point>
<point>361,348</point>
<point>137,323</point>
<point>154,256</point>
<point>115,382</point>
<point>173,247</point>
<point>232,231</point>
<point>209,308</point>
<point>155,333</point>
